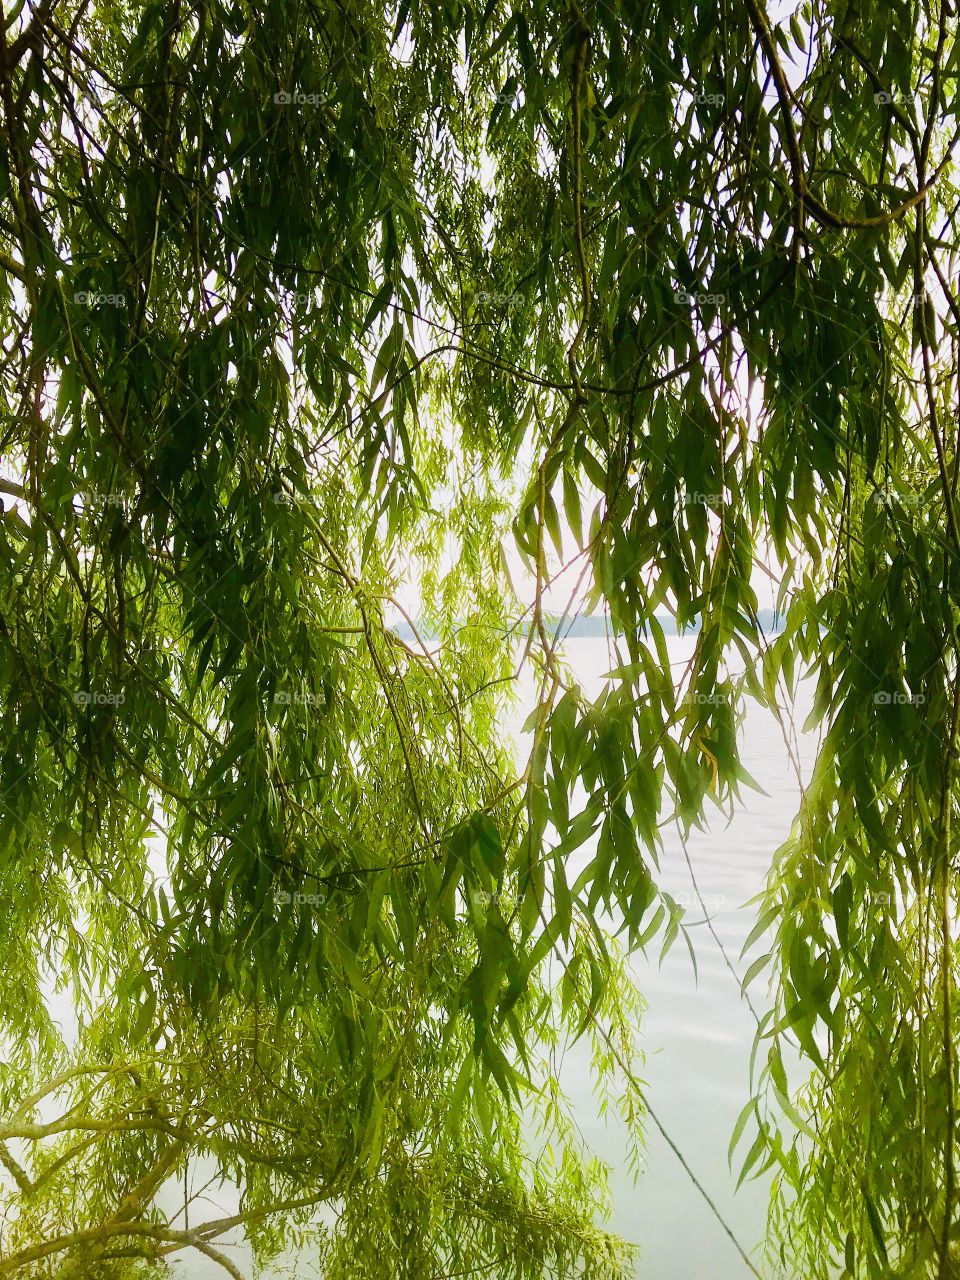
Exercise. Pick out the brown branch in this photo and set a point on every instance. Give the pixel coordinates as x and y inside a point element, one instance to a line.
<point>65,1077</point>
<point>16,1171</point>
<point>30,37</point>
<point>93,1235</point>
<point>802,193</point>
<point>354,586</point>
<point>89,1124</point>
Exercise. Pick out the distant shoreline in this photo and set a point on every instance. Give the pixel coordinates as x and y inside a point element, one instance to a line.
<point>597,626</point>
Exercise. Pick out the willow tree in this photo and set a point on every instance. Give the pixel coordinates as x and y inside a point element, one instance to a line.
<point>307,303</point>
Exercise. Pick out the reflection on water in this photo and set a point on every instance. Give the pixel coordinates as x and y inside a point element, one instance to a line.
<point>697,1034</point>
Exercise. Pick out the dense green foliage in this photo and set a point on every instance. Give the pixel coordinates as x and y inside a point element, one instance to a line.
<point>307,303</point>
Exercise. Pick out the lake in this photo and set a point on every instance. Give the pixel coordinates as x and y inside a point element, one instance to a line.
<point>697,1033</point>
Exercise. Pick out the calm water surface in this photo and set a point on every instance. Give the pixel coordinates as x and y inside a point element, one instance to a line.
<point>697,1032</point>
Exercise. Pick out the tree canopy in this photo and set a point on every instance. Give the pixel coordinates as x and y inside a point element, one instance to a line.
<point>309,306</point>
